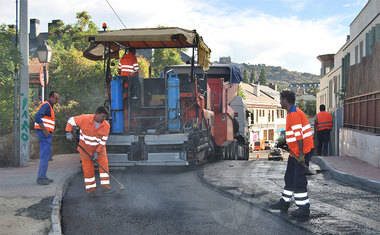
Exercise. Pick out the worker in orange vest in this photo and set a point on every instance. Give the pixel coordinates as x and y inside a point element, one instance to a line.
<point>44,125</point>
<point>94,130</point>
<point>299,138</point>
<point>128,65</point>
<point>323,126</point>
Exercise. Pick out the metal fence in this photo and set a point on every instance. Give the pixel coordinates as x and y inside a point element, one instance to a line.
<point>363,112</point>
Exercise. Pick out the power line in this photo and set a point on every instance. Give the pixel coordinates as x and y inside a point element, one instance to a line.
<point>116,14</point>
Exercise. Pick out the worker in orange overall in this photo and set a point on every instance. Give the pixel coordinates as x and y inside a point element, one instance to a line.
<point>299,138</point>
<point>323,125</point>
<point>94,130</point>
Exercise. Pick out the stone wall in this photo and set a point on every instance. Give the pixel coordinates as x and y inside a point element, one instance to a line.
<point>59,146</point>
<point>7,148</point>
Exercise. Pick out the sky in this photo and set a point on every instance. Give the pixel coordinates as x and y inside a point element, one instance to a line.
<point>286,33</point>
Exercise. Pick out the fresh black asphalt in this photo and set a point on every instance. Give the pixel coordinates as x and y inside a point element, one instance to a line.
<point>164,200</point>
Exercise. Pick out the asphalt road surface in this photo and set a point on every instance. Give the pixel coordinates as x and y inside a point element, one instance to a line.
<point>164,201</point>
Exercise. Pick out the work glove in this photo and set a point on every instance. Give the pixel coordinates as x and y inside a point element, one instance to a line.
<point>95,157</point>
<point>69,136</point>
<point>301,160</point>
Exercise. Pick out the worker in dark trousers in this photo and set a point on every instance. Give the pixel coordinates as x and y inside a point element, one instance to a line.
<point>299,138</point>
<point>45,125</point>
<point>323,126</point>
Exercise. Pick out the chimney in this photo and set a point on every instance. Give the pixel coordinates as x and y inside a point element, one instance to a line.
<point>34,28</point>
<point>54,23</point>
<point>256,90</point>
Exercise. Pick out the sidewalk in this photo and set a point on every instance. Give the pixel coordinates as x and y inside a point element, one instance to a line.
<point>28,208</point>
<point>351,171</point>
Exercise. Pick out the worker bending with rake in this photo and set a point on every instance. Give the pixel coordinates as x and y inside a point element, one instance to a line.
<point>94,130</point>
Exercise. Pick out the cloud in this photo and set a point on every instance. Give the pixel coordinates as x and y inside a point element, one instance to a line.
<point>246,36</point>
<point>355,3</point>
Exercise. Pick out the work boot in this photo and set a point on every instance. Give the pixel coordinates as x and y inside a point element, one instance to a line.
<point>43,181</point>
<point>280,205</point>
<point>50,180</point>
<point>302,212</point>
<point>92,194</point>
<point>108,191</point>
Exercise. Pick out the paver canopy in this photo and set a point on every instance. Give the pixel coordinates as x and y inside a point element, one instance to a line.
<point>144,38</point>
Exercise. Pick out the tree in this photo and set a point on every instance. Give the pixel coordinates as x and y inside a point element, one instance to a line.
<point>310,107</point>
<point>143,67</point>
<point>73,34</point>
<point>241,92</point>
<point>9,60</point>
<point>262,77</point>
<point>301,105</point>
<point>252,77</point>
<point>163,58</point>
<point>245,76</point>
<point>80,82</point>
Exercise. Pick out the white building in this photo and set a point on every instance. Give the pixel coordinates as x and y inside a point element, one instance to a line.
<point>266,119</point>
<point>364,34</point>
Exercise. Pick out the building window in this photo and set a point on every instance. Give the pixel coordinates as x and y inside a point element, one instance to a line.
<point>252,119</point>
<point>257,116</point>
<point>272,115</point>
<point>330,92</point>
<point>356,54</point>
<point>361,50</point>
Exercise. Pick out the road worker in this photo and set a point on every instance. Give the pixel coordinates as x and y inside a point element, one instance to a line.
<point>299,138</point>
<point>323,126</point>
<point>94,130</point>
<point>128,65</point>
<point>45,124</point>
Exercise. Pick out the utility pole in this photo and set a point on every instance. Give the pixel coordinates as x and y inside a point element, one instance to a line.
<point>15,101</point>
<point>24,134</point>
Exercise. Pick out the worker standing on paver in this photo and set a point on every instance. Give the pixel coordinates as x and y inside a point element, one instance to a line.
<point>323,126</point>
<point>94,130</point>
<point>45,124</point>
<point>128,65</point>
<point>299,138</point>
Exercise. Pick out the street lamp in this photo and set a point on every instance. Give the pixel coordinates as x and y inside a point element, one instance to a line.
<point>44,56</point>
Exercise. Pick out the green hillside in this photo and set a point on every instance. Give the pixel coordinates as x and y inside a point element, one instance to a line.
<point>279,75</point>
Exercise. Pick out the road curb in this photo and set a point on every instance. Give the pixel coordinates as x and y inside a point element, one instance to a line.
<point>363,183</point>
<point>55,217</point>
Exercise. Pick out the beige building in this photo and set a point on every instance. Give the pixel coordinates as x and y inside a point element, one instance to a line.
<point>266,119</point>
<point>349,85</point>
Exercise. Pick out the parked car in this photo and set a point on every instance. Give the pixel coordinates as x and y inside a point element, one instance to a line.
<point>276,155</point>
